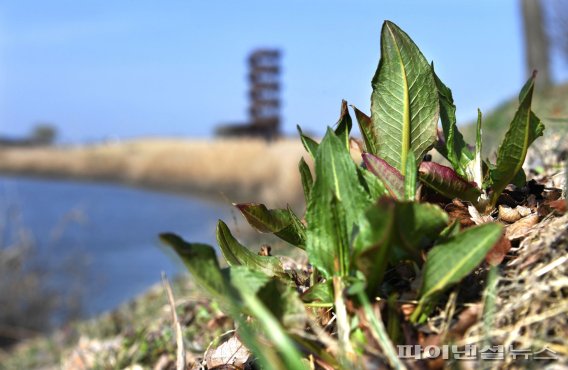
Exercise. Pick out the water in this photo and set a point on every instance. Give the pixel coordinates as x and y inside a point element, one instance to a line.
<point>109,233</point>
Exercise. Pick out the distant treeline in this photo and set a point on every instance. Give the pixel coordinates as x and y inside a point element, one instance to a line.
<point>41,135</point>
<point>18,142</point>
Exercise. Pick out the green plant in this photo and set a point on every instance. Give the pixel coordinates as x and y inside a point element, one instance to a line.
<point>363,223</point>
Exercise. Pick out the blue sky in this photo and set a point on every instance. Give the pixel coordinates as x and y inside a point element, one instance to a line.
<point>135,68</point>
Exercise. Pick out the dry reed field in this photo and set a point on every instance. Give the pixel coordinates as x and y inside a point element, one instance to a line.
<point>231,169</point>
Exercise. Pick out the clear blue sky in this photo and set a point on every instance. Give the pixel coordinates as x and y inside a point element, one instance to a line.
<point>133,68</point>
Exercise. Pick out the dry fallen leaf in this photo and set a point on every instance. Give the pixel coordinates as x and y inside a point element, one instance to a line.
<point>477,218</point>
<point>523,211</point>
<point>509,214</point>
<point>231,352</point>
<point>559,206</point>
<point>460,213</point>
<point>522,227</point>
<point>464,321</point>
<point>498,252</point>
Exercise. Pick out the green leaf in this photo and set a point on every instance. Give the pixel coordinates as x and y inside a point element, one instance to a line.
<point>202,263</point>
<point>452,260</point>
<point>447,182</point>
<point>404,102</point>
<point>391,178</point>
<point>417,226</point>
<point>331,240</point>
<point>372,245</point>
<point>242,277</point>
<point>394,231</point>
<point>524,129</point>
<point>520,179</point>
<point>319,294</point>
<point>475,167</point>
<point>288,355</point>
<point>239,255</point>
<point>281,222</point>
<point>281,299</point>
<point>336,202</point>
<point>344,124</point>
<point>371,183</point>
<point>310,144</point>
<point>266,356</point>
<point>367,131</point>
<point>450,231</point>
<point>284,303</point>
<point>307,179</point>
<point>410,178</point>
<point>455,149</point>
<point>379,332</point>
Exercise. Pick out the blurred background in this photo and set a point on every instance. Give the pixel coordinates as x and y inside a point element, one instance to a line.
<point>121,120</point>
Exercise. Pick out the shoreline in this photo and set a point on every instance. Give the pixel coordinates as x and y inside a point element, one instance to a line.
<point>157,188</point>
<point>235,170</point>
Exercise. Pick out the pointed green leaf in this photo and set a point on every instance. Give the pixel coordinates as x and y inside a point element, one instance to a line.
<point>447,182</point>
<point>379,332</point>
<point>202,263</point>
<point>243,277</point>
<point>450,231</point>
<point>344,124</point>
<point>298,228</point>
<point>307,179</point>
<point>239,255</point>
<point>371,183</point>
<point>288,356</point>
<point>336,202</point>
<point>520,179</point>
<point>320,293</point>
<point>394,231</point>
<point>475,167</point>
<point>373,243</point>
<point>455,258</point>
<point>417,226</point>
<point>524,129</point>
<point>404,102</point>
<point>410,178</point>
<point>310,144</point>
<point>367,131</point>
<point>329,248</point>
<point>455,149</point>
<point>284,303</point>
<point>391,178</point>
<point>280,222</point>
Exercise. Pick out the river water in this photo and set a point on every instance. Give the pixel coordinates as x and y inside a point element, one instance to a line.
<point>103,236</point>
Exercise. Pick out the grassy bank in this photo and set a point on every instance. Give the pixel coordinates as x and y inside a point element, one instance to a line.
<point>549,105</point>
<point>237,169</point>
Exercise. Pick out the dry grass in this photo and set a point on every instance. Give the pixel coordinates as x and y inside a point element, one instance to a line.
<point>531,300</point>
<point>238,169</point>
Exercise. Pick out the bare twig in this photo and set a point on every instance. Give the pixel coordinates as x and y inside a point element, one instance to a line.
<point>180,363</point>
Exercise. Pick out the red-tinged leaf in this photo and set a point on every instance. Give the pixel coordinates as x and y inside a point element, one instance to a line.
<point>237,254</point>
<point>559,206</point>
<point>447,182</point>
<point>498,252</point>
<point>281,222</point>
<point>344,124</point>
<point>391,178</point>
<point>366,128</point>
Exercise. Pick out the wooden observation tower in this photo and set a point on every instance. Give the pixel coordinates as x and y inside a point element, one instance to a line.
<point>264,98</point>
